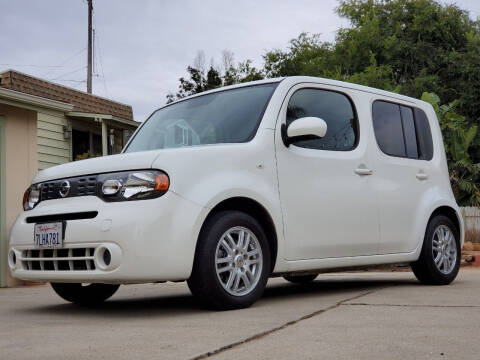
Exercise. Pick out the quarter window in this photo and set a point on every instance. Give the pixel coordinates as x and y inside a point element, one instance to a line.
<point>408,124</point>
<point>387,124</point>
<point>402,131</point>
<point>424,135</point>
<point>335,109</point>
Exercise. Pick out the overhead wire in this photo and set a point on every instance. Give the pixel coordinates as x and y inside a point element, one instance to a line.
<point>97,44</point>
<point>68,73</point>
<point>66,60</point>
<point>32,65</point>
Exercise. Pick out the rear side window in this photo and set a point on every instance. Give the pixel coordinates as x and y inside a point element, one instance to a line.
<point>409,134</point>
<point>402,131</point>
<point>424,135</point>
<point>387,123</point>
<point>335,109</point>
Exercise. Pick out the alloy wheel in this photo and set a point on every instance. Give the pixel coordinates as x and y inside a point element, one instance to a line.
<point>238,261</point>
<point>444,249</point>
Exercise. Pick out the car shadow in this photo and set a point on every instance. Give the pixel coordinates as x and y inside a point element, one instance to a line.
<point>186,304</point>
<point>324,287</point>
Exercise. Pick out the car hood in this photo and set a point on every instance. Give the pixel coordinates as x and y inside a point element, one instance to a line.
<point>120,162</point>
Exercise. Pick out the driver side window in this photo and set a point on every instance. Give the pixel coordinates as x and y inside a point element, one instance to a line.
<point>335,109</point>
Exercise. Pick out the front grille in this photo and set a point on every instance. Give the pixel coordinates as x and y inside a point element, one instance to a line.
<point>49,191</point>
<point>73,259</point>
<point>86,185</point>
<point>79,186</point>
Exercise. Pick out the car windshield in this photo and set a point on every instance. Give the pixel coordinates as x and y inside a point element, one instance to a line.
<point>230,116</point>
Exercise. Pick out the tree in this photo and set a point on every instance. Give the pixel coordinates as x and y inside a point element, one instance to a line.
<point>230,76</point>
<point>200,80</point>
<point>457,138</point>
<point>422,41</point>
<point>410,47</point>
<point>306,55</point>
<point>406,46</point>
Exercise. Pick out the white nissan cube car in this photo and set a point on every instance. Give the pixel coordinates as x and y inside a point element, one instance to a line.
<point>282,177</point>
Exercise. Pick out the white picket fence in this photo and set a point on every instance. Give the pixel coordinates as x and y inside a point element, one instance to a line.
<point>471,217</point>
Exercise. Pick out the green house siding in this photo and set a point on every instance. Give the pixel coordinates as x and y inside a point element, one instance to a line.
<point>53,149</point>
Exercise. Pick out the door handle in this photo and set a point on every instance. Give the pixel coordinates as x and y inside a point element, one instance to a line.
<point>363,171</point>
<point>421,176</point>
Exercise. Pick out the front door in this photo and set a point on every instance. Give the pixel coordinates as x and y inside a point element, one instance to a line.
<point>328,204</point>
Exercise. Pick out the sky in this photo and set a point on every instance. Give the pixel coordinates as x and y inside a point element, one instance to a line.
<point>142,47</point>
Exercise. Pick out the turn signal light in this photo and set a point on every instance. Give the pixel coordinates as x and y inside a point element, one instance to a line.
<point>162,182</point>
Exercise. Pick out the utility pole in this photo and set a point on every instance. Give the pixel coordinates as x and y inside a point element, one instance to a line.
<point>90,51</point>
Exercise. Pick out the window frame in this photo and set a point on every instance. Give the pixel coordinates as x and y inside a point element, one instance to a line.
<point>355,117</point>
<point>405,135</point>
<point>412,107</point>
<point>432,143</point>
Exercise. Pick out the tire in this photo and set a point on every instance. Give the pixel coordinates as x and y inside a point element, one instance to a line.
<point>222,286</point>
<point>425,268</point>
<point>300,279</point>
<point>91,294</point>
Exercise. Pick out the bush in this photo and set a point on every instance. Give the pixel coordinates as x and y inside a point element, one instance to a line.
<point>458,138</point>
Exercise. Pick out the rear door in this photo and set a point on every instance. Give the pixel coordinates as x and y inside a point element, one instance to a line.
<point>402,171</point>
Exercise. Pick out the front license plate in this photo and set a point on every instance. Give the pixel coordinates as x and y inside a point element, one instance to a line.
<point>48,236</point>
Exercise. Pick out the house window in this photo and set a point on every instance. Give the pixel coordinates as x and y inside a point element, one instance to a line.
<point>85,144</point>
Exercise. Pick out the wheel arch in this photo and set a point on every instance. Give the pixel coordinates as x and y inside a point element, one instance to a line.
<point>256,210</point>
<point>453,215</point>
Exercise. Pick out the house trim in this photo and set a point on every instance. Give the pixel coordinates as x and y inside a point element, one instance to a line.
<point>28,100</point>
<point>5,73</point>
<point>103,117</point>
<point>3,193</point>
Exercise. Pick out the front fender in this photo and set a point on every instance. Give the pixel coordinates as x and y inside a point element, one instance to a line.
<point>269,203</point>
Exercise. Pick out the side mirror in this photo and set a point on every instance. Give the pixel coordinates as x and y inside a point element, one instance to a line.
<point>306,128</point>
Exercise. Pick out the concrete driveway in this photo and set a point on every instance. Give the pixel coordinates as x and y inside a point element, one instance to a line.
<point>340,316</point>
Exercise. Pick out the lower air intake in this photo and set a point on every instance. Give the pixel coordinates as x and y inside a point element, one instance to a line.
<point>73,259</point>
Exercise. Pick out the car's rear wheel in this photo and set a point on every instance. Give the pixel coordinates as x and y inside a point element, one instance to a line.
<point>300,279</point>
<point>440,258</point>
<point>232,262</point>
<point>85,294</point>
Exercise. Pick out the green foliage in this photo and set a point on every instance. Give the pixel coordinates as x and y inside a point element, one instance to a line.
<point>306,55</point>
<point>421,40</point>
<point>458,137</point>
<point>380,77</point>
<point>410,47</point>
<point>200,80</point>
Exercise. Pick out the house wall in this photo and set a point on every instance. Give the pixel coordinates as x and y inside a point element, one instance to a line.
<point>21,163</point>
<point>53,148</point>
<point>3,206</point>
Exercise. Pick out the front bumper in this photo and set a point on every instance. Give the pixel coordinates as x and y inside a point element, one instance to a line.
<point>148,240</point>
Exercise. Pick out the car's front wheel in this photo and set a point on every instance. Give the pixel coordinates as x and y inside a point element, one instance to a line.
<point>232,262</point>
<point>440,258</point>
<point>85,294</point>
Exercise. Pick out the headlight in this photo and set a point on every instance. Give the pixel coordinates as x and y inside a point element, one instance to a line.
<point>31,197</point>
<point>133,185</point>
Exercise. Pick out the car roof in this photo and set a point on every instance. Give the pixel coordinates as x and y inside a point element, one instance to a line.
<point>352,86</point>
<point>311,79</point>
